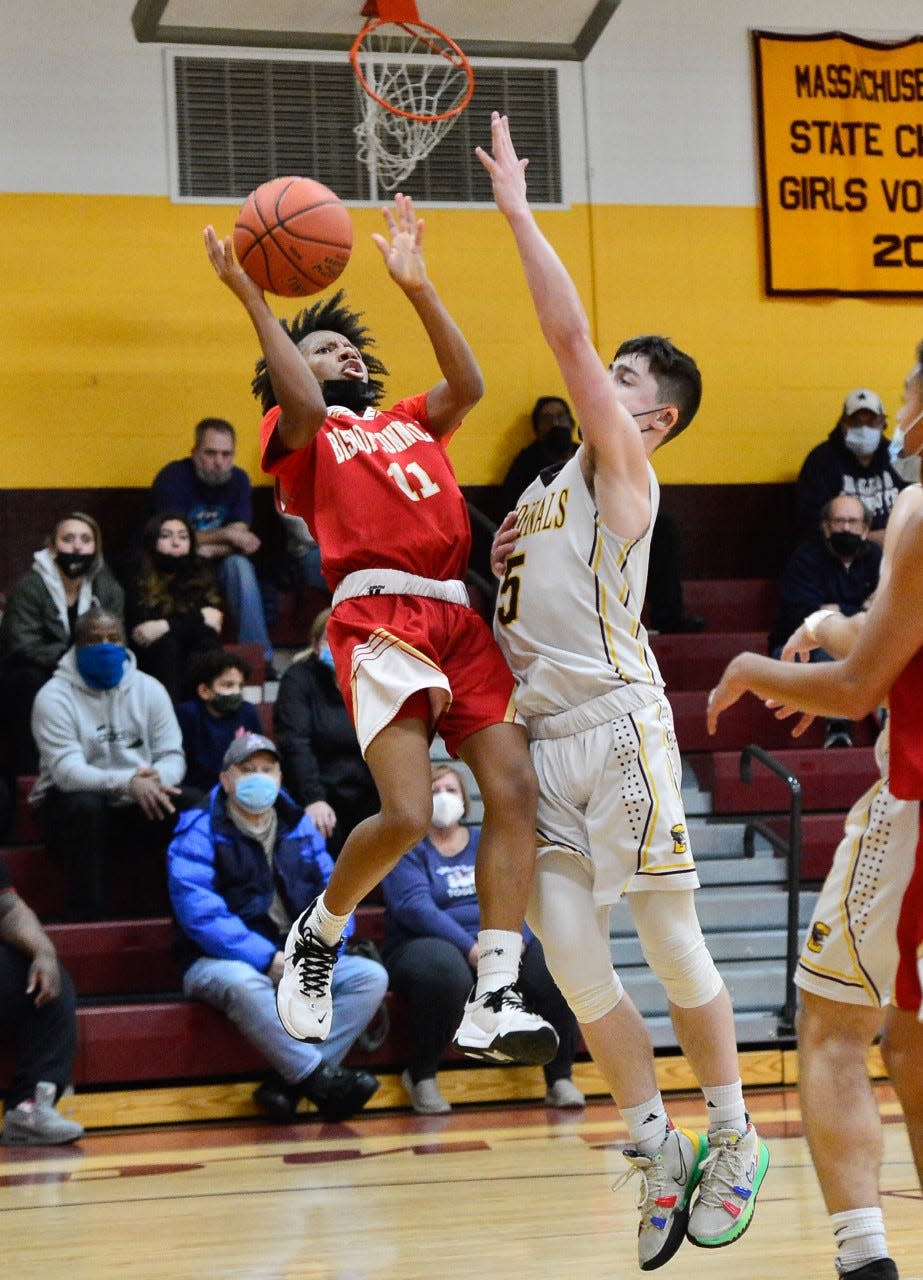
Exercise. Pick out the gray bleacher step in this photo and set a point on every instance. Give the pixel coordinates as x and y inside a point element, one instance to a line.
<point>695,800</point>
<point>723,909</point>
<point>753,985</point>
<point>728,872</point>
<point>717,839</point>
<point>752,1027</point>
<point>729,944</point>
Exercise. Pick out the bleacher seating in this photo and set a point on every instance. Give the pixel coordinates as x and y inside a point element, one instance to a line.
<point>830,780</point>
<point>135,1029</point>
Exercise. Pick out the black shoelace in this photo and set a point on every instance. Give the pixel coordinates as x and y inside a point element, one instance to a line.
<point>508,996</point>
<point>317,962</point>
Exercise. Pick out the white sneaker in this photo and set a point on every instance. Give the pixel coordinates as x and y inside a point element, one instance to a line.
<point>732,1174</point>
<point>303,999</point>
<point>36,1123</point>
<point>497,1027</point>
<point>425,1096</point>
<point>564,1093</point>
<point>668,1179</point>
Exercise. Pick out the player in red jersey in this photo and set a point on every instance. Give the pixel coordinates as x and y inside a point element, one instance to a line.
<point>379,495</point>
<point>881,657</point>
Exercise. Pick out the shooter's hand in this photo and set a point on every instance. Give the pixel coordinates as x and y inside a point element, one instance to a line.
<point>228,269</point>
<point>403,252</point>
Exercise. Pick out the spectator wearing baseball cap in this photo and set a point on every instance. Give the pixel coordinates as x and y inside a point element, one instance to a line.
<point>241,867</point>
<point>853,459</point>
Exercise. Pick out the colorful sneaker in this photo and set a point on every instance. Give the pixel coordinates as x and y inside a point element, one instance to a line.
<point>668,1179</point>
<point>731,1177</point>
<point>303,999</point>
<point>497,1027</point>
<point>36,1123</point>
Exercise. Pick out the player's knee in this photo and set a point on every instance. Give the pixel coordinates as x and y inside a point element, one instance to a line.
<point>512,793</point>
<point>843,1032</point>
<point>901,1054</point>
<point>406,819</point>
<point>589,1004</point>
<point>689,977</point>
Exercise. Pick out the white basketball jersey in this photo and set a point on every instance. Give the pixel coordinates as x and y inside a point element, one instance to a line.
<point>568,615</point>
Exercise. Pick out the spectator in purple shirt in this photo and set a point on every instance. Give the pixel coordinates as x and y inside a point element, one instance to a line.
<point>431,951</point>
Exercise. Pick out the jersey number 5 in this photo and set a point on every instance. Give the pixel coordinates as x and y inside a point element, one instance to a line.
<point>427,487</point>
<point>509,589</point>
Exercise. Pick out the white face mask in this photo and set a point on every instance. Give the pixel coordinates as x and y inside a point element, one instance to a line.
<point>862,441</point>
<point>908,468</point>
<point>448,808</point>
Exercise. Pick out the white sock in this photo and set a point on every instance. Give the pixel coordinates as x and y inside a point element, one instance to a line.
<point>725,1106</point>
<point>647,1125</point>
<point>860,1237</point>
<point>328,927</point>
<point>498,959</point>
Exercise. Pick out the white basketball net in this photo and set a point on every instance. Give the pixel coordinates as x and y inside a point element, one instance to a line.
<point>400,67</point>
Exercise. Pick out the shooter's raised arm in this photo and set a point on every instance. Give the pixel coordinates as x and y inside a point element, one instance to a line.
<point>462,386</point>
<point>297,391</point>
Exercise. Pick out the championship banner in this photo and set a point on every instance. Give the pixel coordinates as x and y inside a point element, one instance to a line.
<point>841,163</point>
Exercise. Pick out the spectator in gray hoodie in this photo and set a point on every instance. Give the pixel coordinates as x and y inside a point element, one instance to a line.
<point>67,577</point>
<point>111,758</point>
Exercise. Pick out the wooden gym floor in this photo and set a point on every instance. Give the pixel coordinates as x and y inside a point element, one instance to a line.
<point>487,1193</point>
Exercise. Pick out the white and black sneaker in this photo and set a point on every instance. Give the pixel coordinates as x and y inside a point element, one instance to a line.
<point>303,999</point>
<point>497,1027</point>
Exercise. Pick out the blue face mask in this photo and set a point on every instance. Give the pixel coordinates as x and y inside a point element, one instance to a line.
<point>325,656</point>
<point>101,665</point>
<point>256,792</point>
<point>907,468</point>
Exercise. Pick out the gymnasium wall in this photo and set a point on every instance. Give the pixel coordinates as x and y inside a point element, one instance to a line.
<point>116,336</point>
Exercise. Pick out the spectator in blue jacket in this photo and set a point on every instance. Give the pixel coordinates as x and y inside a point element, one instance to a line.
<point>431,951</point>
<point>241,867</point>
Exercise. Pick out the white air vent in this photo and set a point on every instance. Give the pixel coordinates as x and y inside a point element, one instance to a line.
<point>240,121</point>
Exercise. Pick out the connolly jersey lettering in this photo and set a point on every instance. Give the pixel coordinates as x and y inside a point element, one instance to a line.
<point>377,491</point>
<point>569,604</point>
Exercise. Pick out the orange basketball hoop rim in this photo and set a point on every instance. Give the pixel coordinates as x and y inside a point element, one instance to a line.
<point>396,31</point>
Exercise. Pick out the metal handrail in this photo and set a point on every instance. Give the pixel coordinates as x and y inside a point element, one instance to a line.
<point>791,847</point>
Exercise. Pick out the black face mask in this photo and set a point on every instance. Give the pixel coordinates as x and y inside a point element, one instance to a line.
<point>348,392</point>
<point>558,442</point>
<point>845,544</point>
<point>73,564</point>
<point>225,704</point>
<point>171,564</point>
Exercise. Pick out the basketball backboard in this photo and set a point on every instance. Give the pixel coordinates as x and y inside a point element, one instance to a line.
<point>546,29</point>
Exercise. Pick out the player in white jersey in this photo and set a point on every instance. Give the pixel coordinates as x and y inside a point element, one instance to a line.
<point>610,817</point>
<point>847,967</point>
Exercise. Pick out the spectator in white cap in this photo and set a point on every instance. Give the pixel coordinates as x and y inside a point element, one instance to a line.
<point>853,459</point>
<point>241,867</point>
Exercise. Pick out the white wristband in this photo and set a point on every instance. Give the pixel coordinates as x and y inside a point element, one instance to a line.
<point>813,621</point>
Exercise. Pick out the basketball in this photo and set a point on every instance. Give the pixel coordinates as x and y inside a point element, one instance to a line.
<point>293,236</point>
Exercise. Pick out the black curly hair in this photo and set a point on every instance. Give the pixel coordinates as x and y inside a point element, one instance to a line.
<point>332,315</point>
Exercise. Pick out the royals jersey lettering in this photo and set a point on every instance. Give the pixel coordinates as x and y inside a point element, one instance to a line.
<point>568,608</point>
<point>377,492</point>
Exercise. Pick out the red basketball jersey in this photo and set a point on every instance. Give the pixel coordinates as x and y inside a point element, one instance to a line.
<point>906,710</point>
<point>377,492</point>
<point>905,702</point>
